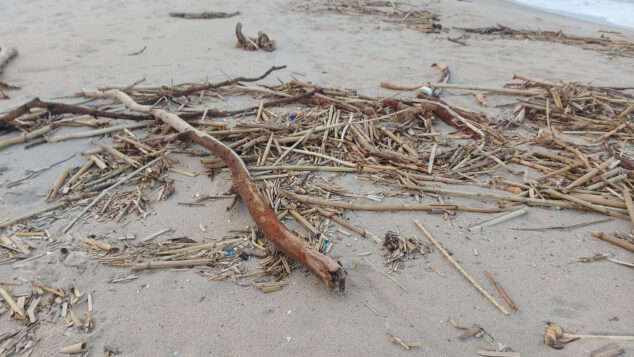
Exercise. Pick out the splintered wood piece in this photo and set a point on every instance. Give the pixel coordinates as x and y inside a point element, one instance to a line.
<point>326,269</point>
<point>18,311</point>
<point>98,244</point>
<point>31,310</point>
<point>628,202</point>
<point>616,241</point>
<point>460,269</point>
<point>57,185</point>
<point>72,349</point>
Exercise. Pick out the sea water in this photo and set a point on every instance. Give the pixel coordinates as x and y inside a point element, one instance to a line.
<point>611,12</point>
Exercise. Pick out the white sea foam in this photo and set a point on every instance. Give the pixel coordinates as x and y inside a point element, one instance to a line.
<point>614,12</point>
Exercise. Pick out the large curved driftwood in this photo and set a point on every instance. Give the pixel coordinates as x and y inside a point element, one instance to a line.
<point>326,269</point>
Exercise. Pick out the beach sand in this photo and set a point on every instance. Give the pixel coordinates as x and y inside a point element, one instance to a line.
<point>68,45</point>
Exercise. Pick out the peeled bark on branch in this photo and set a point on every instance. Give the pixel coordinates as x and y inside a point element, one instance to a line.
<point>326,269</point>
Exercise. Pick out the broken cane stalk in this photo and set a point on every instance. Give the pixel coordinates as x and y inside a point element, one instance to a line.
<point>460,269</point>
<point>19,312</point>
<point>326,269</point>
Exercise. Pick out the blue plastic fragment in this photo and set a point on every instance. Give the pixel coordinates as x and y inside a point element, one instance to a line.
<point>293,116</point>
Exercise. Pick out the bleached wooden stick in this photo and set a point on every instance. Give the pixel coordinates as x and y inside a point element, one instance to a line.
<point>19,312</point>
<point>459,268</point>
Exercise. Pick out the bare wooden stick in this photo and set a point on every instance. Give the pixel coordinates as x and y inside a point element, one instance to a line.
<point>383,207</point>
<point>73,349</point>
<point>497,220</point>
<point>501,291</point>
<point>19,312</point>
<point>460,269</point>
<point>432,156</point>
<point>98,161</point>
<point>171,264</point>
<point>589,205</point>
<point>403,144</point>
<point>116,153</point>
<point>557,172</point>
<point>628,202</point>
<point>46,288</point>
<point>24,137</point>
<point>599,337</point>
<point>87,134</point>
<point>77,175</point>
<point>583,179</point>
<point>341,221</point>
<point>608,238</point>
<point>57,185</point>
<point>32,214</point>
<point>326,269</point>
<point>31,310</point>
<point>463,86</point>
<point>58,108</point>
<point>537,81</point>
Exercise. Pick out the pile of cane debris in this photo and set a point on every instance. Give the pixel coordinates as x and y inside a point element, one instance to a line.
<point>563,146</point>
<point>390,11</point>
<point>43,304</point>
<point>427,22</point>
<point>603,44</point>
<point>386,141</point>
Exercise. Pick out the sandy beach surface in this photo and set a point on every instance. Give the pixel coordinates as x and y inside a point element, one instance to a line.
<point>69,45</point>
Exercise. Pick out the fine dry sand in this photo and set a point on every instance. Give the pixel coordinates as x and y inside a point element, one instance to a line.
<point>68,45</point>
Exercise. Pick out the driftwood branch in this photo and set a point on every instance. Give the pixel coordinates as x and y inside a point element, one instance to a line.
<point>272,103</point>
<point>61,108</point>
<point>207,86</point>
<point>326,269</point>
<point>263,42</point>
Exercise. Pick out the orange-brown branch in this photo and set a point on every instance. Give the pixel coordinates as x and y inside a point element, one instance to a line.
<point>326,269</point>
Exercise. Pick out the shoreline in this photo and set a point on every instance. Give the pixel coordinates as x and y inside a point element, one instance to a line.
<point>576,16</point>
